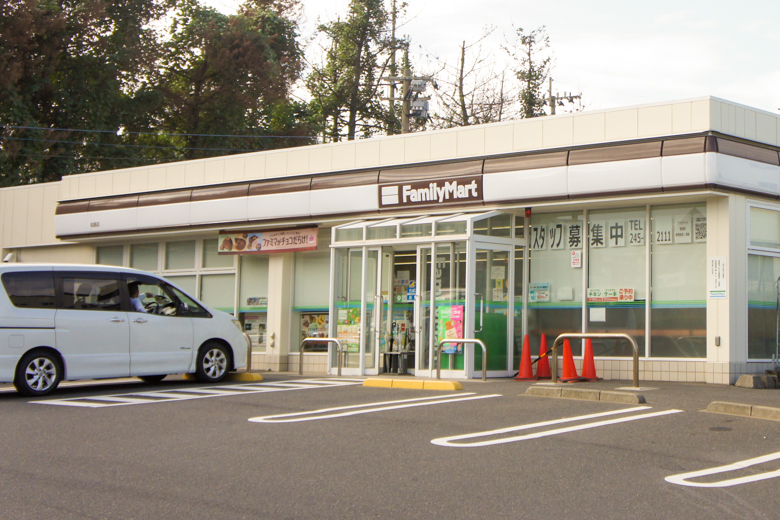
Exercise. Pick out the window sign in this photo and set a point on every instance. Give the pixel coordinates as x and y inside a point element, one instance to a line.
<point>538,238</point>
<point>663,230</point>
<point>682,229</point>
<point>575,236</point>
<point>597,234</point>
<point>699,228</point>
<point>576,259</point>
<point>555,235</point>
<point>539,292</point>
<point>450,325</point>
<point>718,277</point>
<point>616,230</point>
<point>636,231</point>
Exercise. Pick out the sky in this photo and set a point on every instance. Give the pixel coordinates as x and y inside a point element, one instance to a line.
<point>614,52</point>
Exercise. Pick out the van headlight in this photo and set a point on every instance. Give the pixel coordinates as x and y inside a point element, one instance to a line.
<point>238,325</point>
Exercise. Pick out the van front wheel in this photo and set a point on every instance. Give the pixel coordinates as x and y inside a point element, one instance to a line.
<point>38,374</point>
<point>212,366</point>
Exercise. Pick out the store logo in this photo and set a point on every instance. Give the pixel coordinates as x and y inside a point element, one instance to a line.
<point>465,189</point>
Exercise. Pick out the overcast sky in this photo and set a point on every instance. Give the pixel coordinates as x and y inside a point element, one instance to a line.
<point>616,52</point>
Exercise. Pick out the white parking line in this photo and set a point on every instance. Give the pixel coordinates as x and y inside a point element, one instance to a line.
<point>451,441</point>
<point>184,394</point>
<point>394,405</point>
<point>682,478</point>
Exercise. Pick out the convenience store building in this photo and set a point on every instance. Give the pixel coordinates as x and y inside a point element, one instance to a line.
<point>660,221</point>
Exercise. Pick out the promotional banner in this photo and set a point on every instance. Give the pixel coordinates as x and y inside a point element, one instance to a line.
<point>262,242</point>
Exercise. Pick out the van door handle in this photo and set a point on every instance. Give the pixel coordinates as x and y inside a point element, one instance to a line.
<point>139,320</point>
<point>116,320</point>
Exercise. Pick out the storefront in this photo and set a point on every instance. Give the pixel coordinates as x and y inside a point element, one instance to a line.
<point>659,221</point>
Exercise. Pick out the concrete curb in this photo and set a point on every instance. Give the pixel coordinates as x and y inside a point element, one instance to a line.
<point>745,410</point>
<point>585,394</point>
<point>413,384</point>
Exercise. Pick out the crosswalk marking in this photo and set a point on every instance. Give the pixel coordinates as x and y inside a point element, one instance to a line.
<point>184,394</point>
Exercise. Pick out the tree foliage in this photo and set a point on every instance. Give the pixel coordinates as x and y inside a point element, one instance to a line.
<point>346,86</point>
<point>533,68</point>
<point>120,77</point>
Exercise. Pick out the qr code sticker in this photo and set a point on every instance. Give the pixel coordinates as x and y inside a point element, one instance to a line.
<point>700,231</point>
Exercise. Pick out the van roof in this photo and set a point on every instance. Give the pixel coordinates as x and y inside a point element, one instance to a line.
<point>17,266</point>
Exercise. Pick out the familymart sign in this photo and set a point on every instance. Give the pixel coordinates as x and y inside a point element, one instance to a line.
<point>431,193</point>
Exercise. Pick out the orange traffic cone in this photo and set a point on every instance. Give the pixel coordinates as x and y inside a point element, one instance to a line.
<point>526,372</point>
<point>569,374</point>
<point>588,365</point>
<point>543,364</point>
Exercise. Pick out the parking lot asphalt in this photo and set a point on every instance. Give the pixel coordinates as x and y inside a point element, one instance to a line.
<point>313,446</point>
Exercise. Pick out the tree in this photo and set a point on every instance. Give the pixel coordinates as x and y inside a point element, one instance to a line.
<point>231,75</point>
<point>533,69</point>
<point>70,64</point>
<point>345,87</point>
<point>473,91</point>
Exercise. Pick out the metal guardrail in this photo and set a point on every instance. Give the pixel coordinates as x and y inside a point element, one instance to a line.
<point>559,340</point>
<point>319,340</point>
<point>464,341</point>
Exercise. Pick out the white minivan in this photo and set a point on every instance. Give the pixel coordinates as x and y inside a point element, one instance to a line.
<point>61,322</point>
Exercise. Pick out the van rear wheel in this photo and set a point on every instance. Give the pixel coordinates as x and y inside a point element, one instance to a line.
<point>213,361</point>
<point>37,374</point>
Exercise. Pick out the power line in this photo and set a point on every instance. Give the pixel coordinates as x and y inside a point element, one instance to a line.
<point>162,134</point>
<point>128,145</point>
<point>88,158</point>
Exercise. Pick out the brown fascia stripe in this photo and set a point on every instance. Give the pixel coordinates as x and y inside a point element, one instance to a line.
<point>431,172</point>
<point>519,162</point>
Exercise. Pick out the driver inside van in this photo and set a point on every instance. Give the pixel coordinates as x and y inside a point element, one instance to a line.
<point>135,301</point>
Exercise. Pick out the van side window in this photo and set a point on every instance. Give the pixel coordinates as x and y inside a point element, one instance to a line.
<point>32,290</point>
<point>191,309</point>
<point>97,294</point>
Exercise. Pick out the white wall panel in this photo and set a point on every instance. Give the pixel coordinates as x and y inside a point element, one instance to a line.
<point>219,210</point>
<point>72,224</point>
<point>345,200</point>
<point>278,205</point>
<point>615,176</point>
<point>164,215</point>
<point>746,174</point>
<point>683,170</point>
<point>113,220</point>
<point>525,184</point>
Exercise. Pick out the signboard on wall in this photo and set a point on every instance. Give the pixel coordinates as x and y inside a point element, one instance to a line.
<point>264,242</point>
<point>718,281</point>
<point>428,193</point>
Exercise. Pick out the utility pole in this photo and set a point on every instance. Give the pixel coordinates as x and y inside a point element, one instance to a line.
<point>411,87</point>
<point>555,100</point>
<point>393,72</point>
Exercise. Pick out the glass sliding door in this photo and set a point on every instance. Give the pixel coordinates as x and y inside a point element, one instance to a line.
<point>491,271</point>
<point>422,303</point>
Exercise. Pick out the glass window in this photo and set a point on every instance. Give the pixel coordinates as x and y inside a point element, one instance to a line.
<point>253,290</point>
<point>91,294</point>
<point>218,291</point>
<point>144,257</point>
<point>110,255</point>
<point>416,230</point>
<point>451,228</point>
<point>518,310</point>
<point>678,317</point>
<point>380,232</point>
<point>498,226</point>
<point>519,227</point>
<point>30,290</point>
<point>349,235</point>
<point>188,283</point>
<point>310,305</point>
<point>764,228</point>
<point>180,255</point>
<point>763,306</point>
<point>555,287</point>
<point>616,278</point>
<point>211,258</point>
